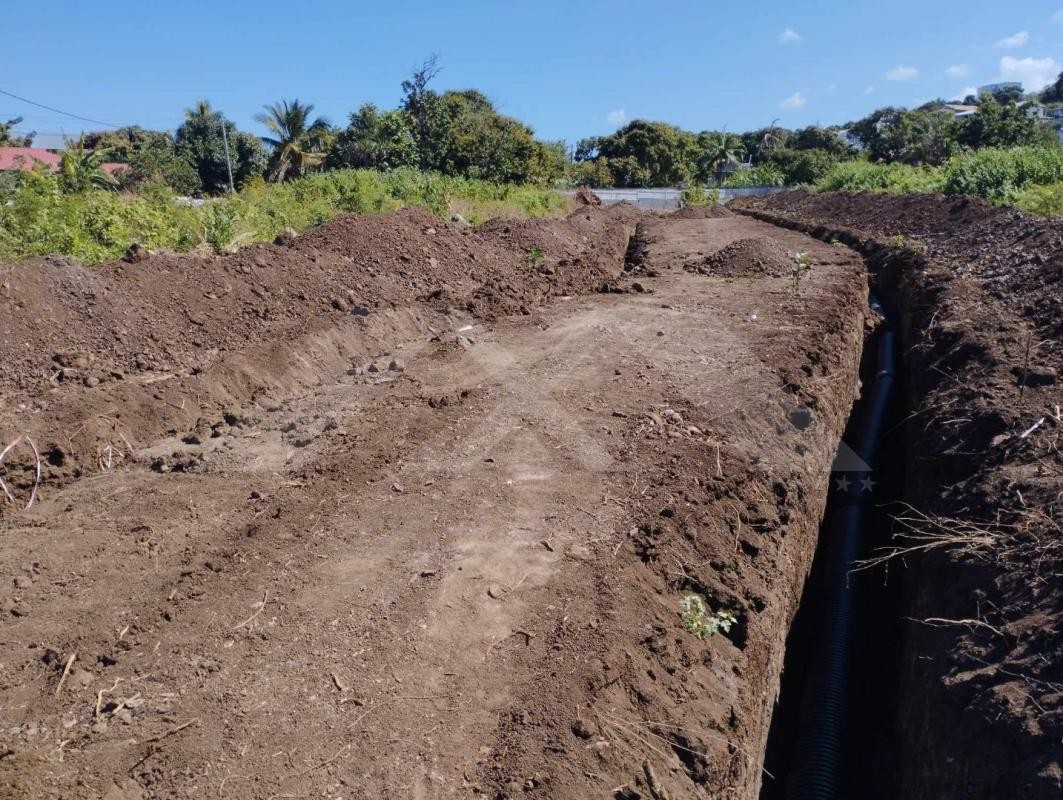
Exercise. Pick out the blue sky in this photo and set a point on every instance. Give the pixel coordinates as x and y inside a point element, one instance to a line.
<point>569,69</point>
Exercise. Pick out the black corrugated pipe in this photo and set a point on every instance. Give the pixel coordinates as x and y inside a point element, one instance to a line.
<point>817,772</point>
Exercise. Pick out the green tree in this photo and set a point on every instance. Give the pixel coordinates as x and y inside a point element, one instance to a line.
<point>298,143</point>
<point>718,150</point>
<point>199,139</point>
<point>422,105</point>
<point>1054,93</point>
<point>80,169</point>
<point>816,138</point>
<point>759,144</point>
<point>474,140</point>
<point>374,140</point>
<point>1004,125</point>
<point>929,136</point>
<point>160,161</point>
<point>801,167</point>
<point>645,153</point>
<point>122,144</point>
<point>8,137</point>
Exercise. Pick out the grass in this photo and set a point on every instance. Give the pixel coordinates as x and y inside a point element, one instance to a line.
<point>1028,177</point>
<point>37,218</point>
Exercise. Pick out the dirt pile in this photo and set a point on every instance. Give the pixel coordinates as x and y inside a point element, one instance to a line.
<point>585,197</point>
<point>154,334</point>
<point>702,212</point>
<point>978,291</point>
<point>746,258</point>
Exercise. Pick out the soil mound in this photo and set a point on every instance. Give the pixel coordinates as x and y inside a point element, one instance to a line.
<point>760,257</point>
<point>224,329</point>
<point>703,212</point>
<point>585,197</point>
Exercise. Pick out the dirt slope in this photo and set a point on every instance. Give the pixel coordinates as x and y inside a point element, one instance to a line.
<point>424,551</point>
<point>979,291</point>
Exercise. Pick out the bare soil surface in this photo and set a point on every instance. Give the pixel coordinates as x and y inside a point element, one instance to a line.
<point>406,510</point>
<point>979,294</point>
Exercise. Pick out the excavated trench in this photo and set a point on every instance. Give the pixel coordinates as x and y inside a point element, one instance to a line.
<point>833,729</point>
<point>938,702</point>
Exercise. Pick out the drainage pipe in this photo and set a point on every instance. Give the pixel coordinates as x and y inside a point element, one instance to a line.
<point>817,770</point>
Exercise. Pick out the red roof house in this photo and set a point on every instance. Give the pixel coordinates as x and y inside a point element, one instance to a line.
<point>26,158</point>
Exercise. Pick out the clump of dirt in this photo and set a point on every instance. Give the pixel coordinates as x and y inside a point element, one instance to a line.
<point>585,197</point>
<point>754,257</point>
<point>702,212</point>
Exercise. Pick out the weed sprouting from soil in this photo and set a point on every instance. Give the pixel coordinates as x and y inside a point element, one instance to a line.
<point>535,255</point>
<point>695,619</point>
<point>801,266</point>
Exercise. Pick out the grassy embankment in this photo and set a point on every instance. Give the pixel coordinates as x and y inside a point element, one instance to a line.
<point>36,218</point>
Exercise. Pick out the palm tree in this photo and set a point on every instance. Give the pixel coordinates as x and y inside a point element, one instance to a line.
<point>80,168</point>
<point>722,149</point>
<point>200,110</point>
<point>298,143</point>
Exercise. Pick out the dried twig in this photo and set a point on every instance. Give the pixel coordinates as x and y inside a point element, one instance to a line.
<point>938,622</point>
<point>160,736</point>
<point>1033,427</point>
<point>38,472</point>
<point>66,672</point>
<point>262,605</point>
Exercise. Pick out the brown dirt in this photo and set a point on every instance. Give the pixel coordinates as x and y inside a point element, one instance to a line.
<point>746,258</point>
<point>980,293</point>
<point>702,212</point>
<point>343,528</point>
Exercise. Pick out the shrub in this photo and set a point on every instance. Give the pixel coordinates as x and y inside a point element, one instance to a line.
<point>1047,200</point>
<point>860,176</point>
<point>1000,174</point>
<point>760,175</point>
<point>695,195</point>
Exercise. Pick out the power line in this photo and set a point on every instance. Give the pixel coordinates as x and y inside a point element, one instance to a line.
<point>60,111</point>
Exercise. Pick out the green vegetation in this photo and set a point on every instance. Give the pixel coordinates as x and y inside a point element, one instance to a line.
<point>1025,176</point>
<point>699,622</point>
<point>802,266</point>
<point>39,218</point>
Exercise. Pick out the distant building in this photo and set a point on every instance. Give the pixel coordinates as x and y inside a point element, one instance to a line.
<point>1035,110</point>
<point>849,139</point>
<point>960,109</point>
<point>23,159</point>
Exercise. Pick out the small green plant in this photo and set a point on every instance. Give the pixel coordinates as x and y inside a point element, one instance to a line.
<point>695,195</point>
<point>695,619</point>
<point>802,265</point>
<point>219,228</point>
<point>535,255</point>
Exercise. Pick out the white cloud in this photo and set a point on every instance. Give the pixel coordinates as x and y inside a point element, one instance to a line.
<point>1058,17</point>
<point>618,117</point>
<point>796,100</point>
<point>790,36</point>
<point>1033,73</point>
<point>870,89</point>
<point>958,71</point>
<point>1015,40</point>
<point>966,91</point>
<point>902,73</point>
